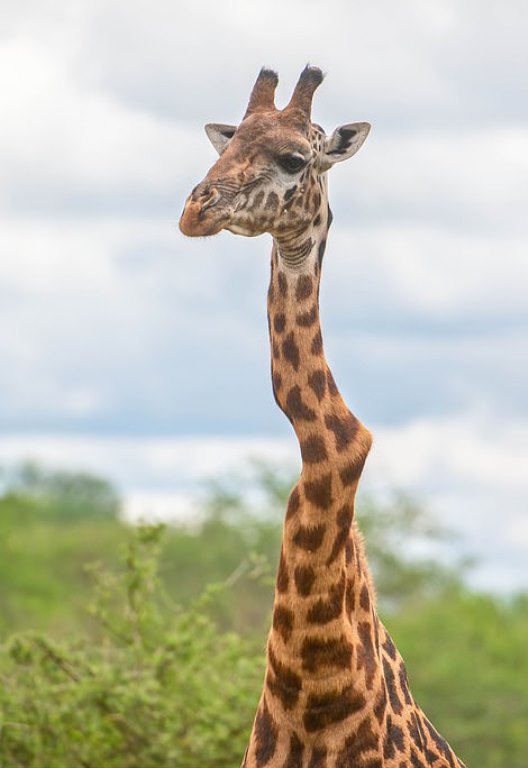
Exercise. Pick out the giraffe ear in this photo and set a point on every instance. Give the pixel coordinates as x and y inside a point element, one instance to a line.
<point>343,143</point>
<point>220,135</point>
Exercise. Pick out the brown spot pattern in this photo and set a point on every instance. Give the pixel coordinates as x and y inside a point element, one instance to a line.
<point>304,577</point>
<point>283,580</point>
<point>304,287</point>
<point>296,408</point>
<point>394,699</point>
<point>332,386</point>
<point>294,757</point>
<point>317,383</point>
<point>328,609</point>
<point>366,654</point>
<point>313,450</point>
<point>351,472</point>
<point>343,521</point>
<point>283,682</point>
<point>283,620</point>
<point>317,344</point>
<point>294,502</point>
<point>394,740</point>
<point>344,428</point>
<point>317,653</point>
<point>309,538</point>
<point>283,284</point>
<point>279,322</point>
<point>266,733</point>
<point>363,740</point>
<point>325,709</point>
<point>319,492</point>
<point>318,758</point>
<point>364,598</point>
<point>307,319</point>
<point>290,351</point>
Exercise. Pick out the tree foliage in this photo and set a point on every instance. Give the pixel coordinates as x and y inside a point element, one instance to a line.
<point>138,661</point>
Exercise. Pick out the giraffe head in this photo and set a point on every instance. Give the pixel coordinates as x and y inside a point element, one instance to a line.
<point>270,173</point>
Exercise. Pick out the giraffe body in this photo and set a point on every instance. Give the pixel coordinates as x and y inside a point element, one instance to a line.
<point>335,693</point>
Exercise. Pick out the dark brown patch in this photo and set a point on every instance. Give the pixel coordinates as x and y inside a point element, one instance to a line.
<point>289,193</point>
<point>279,322</point>
<point>294,757</point>
<point>317,383</point>
<point>440,743</point>
<point>266,733</point>
<point>321,251</point>
<point>350,597</point>
<point>272,203</point>
<point>304,577</point>
<point>317,653</point>
<point>416,760</point>
<point>283,682</point>
<point>381,706</point>
<point>325,709</point>
<point>291,350</point>
<point>317,343</point>
<point>366,653</point>
<point>295,407</point>
<point>364,598</point>
<point>343,522</point>
<point>351,472</point>
<point>283,620</point>
<point>319,492</point>
<point>404,683</point>
<point>283,284</point>
<point>309,538</point>
<point>307,319</point>
<point>362,740</point>
<point>394,740</point>
<point>415,731</point>
<point>257,201</point>
<point>275,350</point>
<point>344,428</point>
<point>294,502</point>
<point>304,287</point>
<point>313,450</point>
<point>317,220</point>
<point>332,386</point>
<point>277,381</point>
<point>326,610</point>
<point>389,647</point>
<point>318,758</point>
<point>394,699</point>
<point>283,580</point>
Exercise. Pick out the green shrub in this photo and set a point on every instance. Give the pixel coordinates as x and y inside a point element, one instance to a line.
<point>160,687</point>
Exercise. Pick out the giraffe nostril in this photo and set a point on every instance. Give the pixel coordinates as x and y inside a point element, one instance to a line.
<point>209,196</point>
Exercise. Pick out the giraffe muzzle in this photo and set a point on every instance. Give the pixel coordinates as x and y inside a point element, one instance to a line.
<point>198,219</point>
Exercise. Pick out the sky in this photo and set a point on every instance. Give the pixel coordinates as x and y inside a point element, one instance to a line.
<point>128,350</point>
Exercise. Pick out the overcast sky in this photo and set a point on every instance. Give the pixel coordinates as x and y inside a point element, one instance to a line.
<point>117,335</point>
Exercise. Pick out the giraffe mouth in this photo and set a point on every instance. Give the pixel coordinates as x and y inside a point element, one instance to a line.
<point>198,220</point>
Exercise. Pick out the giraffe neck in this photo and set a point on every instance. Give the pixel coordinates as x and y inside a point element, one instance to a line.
<point>323,612</point>
<point>336,692</point>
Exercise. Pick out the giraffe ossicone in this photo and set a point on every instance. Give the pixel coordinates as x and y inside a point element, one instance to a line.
<point>335,693</point>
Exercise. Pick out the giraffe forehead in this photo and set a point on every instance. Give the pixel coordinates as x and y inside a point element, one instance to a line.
<point>272,133</point>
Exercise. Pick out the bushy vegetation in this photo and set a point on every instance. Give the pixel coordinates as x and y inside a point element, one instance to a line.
<point>154,655</point>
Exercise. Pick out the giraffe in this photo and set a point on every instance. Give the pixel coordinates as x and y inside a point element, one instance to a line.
<point>335,693</point>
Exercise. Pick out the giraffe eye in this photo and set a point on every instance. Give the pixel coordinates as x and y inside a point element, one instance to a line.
<point>292,163</point>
